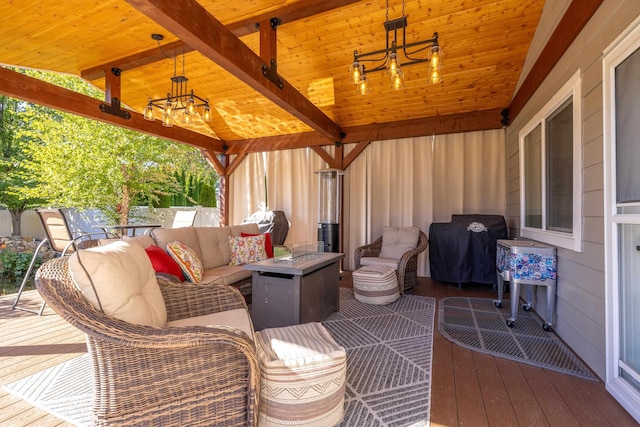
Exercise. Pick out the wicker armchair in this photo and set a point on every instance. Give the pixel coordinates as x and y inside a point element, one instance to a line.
<point>163,376</point>
<point>407,266</point>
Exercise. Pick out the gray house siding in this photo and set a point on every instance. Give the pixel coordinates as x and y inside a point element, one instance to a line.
<point>580,314</point>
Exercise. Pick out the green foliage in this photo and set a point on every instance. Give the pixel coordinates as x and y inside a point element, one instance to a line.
<point>13,265</point>
<point>72,161</point>
<point>12,154</point>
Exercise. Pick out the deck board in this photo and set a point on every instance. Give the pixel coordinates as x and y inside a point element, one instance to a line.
<point>468,388</point>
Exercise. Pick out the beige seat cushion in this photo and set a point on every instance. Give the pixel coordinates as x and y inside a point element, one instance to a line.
<point>302,376</point>
<point>237,318</point>
<point>226,275</point>
<point>396,241</point>
<point>119,279</point>
<point>387,262</point>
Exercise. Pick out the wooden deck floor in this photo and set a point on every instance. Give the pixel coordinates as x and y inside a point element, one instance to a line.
<point>468,388</point>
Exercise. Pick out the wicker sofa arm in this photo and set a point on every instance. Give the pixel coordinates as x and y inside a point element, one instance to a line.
<point>186,299</point>
<point>372,249</point>
<point>157,375</point>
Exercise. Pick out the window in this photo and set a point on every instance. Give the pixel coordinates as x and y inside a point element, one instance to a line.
<point>551,171</point>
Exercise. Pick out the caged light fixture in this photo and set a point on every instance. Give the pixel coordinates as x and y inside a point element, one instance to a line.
<point>178,100</point>
<point>389,59</point>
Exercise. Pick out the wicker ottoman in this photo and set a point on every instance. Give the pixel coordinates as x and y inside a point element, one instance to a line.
<point>375,284</point>
<point>302,376</point>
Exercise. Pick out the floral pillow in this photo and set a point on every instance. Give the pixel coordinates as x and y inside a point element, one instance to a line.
<point>268,246</point>
<point>187,259</point>
<point>245,250</point>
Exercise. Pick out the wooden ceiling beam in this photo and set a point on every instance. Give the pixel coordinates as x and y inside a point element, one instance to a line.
<point>436,125</point>
<point>289,13</point>
<point>194,25</point>
<point>21,86</point>
<point>573,21</point>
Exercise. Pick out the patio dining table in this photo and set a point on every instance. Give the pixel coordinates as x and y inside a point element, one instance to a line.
<point>125,229</point>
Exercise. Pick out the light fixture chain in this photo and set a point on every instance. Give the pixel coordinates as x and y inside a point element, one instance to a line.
<point>403,14</point>
<point>387,10</point>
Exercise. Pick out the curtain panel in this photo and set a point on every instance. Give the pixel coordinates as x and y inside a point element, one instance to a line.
<point>404,182</point>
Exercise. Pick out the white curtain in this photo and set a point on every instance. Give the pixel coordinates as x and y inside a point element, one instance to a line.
<point>247,189</point>
<point>279,180</point>
<point>469,172</point>
<point>405,182</point>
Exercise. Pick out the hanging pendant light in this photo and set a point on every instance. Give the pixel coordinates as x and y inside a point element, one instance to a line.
<point>398,54</point>
<point>178,99</point>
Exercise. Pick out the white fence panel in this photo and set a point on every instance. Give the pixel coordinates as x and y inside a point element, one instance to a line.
<point>86,220</point>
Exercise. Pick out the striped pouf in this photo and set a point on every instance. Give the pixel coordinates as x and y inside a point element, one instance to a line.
<point>302,376</point>
<point>375,284</point>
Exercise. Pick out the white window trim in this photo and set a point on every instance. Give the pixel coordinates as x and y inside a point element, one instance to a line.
<point>572,241</point>
<point>621,48</point>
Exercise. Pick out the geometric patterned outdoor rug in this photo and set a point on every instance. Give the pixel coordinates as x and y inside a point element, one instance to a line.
<point>389,354</point>
<point>388,367</point>
<point>477,324</point>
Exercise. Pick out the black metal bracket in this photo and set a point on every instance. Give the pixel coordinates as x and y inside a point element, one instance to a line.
<point>271,73</point>
<point>274,22</point>
<point>114,109</point>
<point>116,71</point>
<point>505,117</point>
<point>338,144</point>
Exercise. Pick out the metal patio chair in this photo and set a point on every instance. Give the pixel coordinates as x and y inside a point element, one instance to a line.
<point>61,240</point>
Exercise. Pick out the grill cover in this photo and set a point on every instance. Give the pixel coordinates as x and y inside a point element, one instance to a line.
<point>464,250</point>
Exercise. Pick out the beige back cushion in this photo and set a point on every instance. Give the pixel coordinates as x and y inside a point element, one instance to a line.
<point>398,240</point>
<point>252,228</point>
<point>214,246</point>
<point>119,278</point>
<point>143,240</point>
<point>214,243</point>
<point>186,235</point>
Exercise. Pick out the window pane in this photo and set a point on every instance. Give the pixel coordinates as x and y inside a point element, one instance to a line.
<point>533,178</point>
<point>629,299</point>
<point>627,89</point>
<point>559,165</point>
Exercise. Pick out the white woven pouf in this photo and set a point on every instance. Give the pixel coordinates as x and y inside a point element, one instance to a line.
<point>302,376</point>
<point>375,284</point>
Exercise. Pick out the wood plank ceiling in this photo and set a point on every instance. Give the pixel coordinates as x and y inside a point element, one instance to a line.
<point>485,43</point>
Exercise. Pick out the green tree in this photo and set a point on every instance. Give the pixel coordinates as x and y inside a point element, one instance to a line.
<point>12,157</point>
<point>76,162</point>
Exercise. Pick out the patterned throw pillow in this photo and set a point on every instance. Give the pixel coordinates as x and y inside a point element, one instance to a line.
<point>187,259</point>
<point>245,250</point>
<point>268,246</point>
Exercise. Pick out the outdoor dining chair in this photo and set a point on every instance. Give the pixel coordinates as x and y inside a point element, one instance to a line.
<point>184,219</point>
<point>61,240</point>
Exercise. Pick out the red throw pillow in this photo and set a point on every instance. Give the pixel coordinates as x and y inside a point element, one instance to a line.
<point>268,246</point>
<point>163,263</point>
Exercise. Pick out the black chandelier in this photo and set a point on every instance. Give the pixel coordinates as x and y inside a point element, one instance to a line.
<point>180,99</point>
<point>388,59</point>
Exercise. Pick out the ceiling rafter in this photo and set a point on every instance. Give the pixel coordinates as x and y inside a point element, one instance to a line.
<point>30,89</point>
<point>193,24</point>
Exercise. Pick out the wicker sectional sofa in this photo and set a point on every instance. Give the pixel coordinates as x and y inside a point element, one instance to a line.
<point>211,245</point>
<point>166,352</point>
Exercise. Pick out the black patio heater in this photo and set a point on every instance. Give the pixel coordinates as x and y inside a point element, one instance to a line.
<point>329,196</point>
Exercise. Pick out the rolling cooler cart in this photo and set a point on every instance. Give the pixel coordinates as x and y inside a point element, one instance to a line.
<point>525,262</point>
